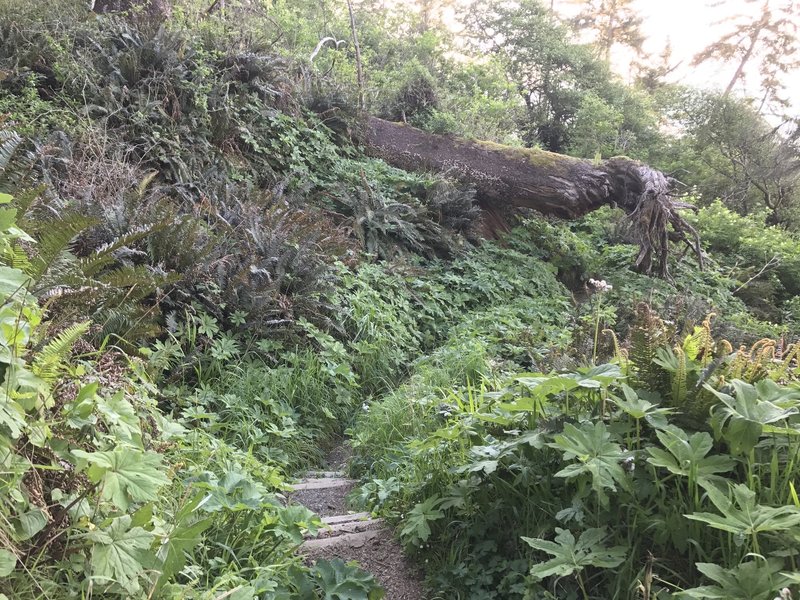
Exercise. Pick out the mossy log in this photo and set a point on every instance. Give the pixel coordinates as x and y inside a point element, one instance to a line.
<point>553,184</point>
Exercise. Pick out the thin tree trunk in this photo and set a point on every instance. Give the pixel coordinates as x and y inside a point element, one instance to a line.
<point>507,177</point>
<point>745,59</point>
<point>359,68</point>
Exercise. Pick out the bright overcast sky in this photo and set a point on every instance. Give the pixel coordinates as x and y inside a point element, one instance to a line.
<point>689,26</point>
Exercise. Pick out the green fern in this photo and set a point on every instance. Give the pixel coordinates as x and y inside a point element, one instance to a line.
<point>104,257</point>
<point>9,142</point>
<point>48,363</point>
<point>680,393</point>
<point>13,167</point>
<point>53,245</point>
<point>648,335</point>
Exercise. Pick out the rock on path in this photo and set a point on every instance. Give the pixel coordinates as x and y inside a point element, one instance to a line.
<point>355,536</point>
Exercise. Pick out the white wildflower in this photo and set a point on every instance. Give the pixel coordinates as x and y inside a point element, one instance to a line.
<point>601,285</point>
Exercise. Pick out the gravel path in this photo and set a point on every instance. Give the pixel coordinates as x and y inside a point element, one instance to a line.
<point>375,550</point>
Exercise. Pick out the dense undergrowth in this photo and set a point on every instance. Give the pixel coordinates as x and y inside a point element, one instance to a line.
<point>204,283</point>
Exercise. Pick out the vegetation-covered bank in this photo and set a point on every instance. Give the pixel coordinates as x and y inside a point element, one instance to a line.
<point>205,280</point>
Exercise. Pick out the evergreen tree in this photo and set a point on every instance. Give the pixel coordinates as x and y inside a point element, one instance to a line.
<point>612,23</point>
<point>767,39</point>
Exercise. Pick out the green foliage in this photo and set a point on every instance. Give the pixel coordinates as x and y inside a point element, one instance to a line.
<point>752,580</point>
<point>616,473</point>
<point>571,556</point>
<point>562,85</point>
<point>196,214</point>
<point>765,260</point>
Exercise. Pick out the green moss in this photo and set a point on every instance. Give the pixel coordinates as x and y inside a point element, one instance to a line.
<point>534,156</point>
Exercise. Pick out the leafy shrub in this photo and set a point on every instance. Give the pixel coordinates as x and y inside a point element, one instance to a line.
<point>415,94</point>
<point>629,493</point>
<point>764,259</point>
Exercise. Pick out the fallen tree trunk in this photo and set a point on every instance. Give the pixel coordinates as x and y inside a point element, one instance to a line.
<point>553,184</point>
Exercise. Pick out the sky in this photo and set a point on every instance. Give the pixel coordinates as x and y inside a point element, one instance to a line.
<point>689,26</point>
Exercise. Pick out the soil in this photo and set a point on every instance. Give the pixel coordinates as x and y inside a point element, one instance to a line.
<point>382,556</point>
<point>379,553</point>
<point>339,456</point>
<point>326,502</point>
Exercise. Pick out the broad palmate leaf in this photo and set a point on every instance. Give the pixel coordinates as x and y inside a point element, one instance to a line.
<point>743,417</point>
<point>417,529</point>
<point>571,556</point>
<point>688,455</point>
<point>119,553</point>
<point>596,455</point>
<point>753,580</point>
<point>744,516</point>
<point>125,475</point>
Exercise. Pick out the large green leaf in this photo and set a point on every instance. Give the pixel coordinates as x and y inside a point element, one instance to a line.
<point>12,415</point>
<point>741,418</point>
<point>121,418</point>
<point>572,556</point>
<point>417,528</point>
<point>688,455</point>
<point>13,282</point>
<point>125,475</point>
<point>8,561</point>
<point>120,553</point>
<point>752,580</point>
<point>744,516</point>
<point>595,455</point>
<point>28,524</point>
<point>339,581</point>
<point>641,408</point>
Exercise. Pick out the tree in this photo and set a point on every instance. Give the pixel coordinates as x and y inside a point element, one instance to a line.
<point>552,75</point>
<point>432,13</point>
<point>749,162</point>
<point>613,23</point>
<point>506,177</point>
<point>769,38</point>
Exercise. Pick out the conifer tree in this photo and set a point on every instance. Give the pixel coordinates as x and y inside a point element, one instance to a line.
<point>612,23</point>
<point>764,43</point>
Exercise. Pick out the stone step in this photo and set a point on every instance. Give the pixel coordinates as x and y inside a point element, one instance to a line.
<point>352,540</point>
<point>324,474</point>
<point>362,516</point>
<point>320,483</point>
<point>340,529</point>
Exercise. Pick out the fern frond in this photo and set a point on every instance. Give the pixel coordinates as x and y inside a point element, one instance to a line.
<point>9,142</point>
<point>739,364</point>
<point>14,256</point>
<point>679,386</point>
<point>23,200</point>
<point>49,361</point>
<point>139,276</point>
<point>54,241</point>
<point>724,348</point>
<point>648,335</point>
<point>104,256</point>
<point>763,352</point>
<point>792,353</point>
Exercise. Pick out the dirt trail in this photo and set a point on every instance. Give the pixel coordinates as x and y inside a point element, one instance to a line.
<point>354,536</point>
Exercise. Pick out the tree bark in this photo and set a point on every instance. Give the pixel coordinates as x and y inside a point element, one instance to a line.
<point>553,184</point>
